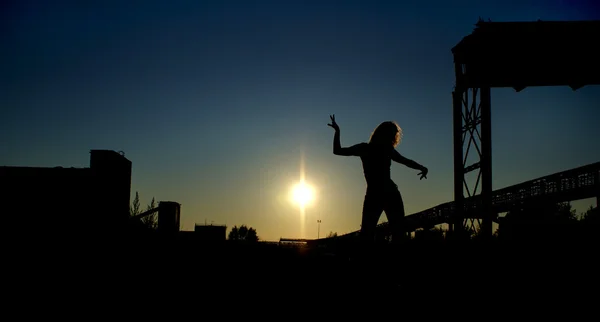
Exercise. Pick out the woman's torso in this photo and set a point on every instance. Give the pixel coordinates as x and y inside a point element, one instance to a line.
<point>376,161</point>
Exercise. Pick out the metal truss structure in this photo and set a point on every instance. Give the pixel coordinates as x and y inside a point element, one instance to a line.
<point>574,184</point>
<point>514,55</point>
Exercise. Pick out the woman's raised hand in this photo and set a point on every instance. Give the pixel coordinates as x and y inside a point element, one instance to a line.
<point>333,124</point>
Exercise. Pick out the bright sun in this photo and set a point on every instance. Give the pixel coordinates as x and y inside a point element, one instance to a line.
<point>302,194</point>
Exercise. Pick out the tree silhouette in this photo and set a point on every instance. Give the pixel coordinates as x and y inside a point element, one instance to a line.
<point>151,220</point>
<point>148,222</point>
<point>331,234</point>
<point>243,233</point>
<point>591,216</point>
<point>547,220</point>
<point>134,209</point>
<point>431,234</point>
<point>565,212</point>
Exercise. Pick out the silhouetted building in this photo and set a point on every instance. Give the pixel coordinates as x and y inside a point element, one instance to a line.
<point>211,232</point>
<point>59,201</point>
<point>112,181</point>
<point>169,216</point>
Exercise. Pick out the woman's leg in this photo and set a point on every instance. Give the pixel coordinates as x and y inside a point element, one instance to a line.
<point>372,209</point>
<point>394,211</point>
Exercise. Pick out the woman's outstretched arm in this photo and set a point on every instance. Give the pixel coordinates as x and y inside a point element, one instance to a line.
<point>410,163</point>
<point>337,146</point>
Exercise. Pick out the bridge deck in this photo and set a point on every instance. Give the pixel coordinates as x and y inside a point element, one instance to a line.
<point>574,184</point>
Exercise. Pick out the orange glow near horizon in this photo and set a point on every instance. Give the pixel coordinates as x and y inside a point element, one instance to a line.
<point>302,194</point>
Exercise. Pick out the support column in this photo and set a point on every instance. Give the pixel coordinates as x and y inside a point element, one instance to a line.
<point>486,162</point>
<point>459,169</point>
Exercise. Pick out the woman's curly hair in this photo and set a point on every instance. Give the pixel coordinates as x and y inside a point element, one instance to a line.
<point>388,132</point>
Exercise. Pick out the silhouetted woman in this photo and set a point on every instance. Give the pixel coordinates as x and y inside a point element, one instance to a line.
<point>382,193</point>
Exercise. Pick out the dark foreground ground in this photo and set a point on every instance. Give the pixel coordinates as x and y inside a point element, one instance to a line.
<point>151,273</point>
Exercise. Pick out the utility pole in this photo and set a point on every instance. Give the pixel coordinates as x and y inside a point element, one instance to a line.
<point>318,228</point>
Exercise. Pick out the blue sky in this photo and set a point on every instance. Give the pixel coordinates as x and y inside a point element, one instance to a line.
<point>217,102</point>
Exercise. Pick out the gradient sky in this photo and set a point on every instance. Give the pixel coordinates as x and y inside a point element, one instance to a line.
<point>217,102</point>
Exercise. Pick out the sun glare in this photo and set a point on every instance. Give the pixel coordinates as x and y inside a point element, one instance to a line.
<point>302,194</point>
